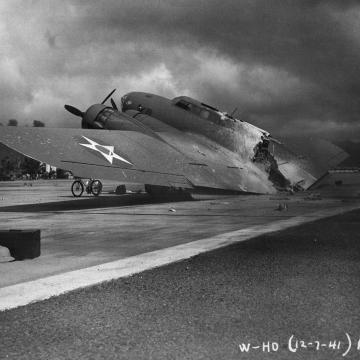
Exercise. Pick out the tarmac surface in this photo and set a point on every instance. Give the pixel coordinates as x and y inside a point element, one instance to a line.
<point>299,284</point>
<point>78,233</point>
<point>294,290</point>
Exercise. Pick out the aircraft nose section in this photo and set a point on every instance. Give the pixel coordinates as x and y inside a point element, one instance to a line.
<point>130,101</point>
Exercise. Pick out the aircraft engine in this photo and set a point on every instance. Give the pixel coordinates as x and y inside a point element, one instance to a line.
<point>95,117</point>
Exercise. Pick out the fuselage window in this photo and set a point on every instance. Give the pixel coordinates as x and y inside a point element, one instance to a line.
<point>195,109</point>
<point>204,114</point>
<point>183,104</point>
<point>214,117</point>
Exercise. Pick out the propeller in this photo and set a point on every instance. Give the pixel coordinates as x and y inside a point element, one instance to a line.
<point>88,117</point>
<point>98,125</point>
<point>79,113</point>
<point>74,110</point>
<point>113,104</point>
<point>104,101</point>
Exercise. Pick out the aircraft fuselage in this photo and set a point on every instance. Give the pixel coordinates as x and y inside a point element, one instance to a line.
<point>189,115</point>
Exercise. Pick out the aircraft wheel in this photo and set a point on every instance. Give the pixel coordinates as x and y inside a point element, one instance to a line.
<point>96,187</point>
<point>77,188</point>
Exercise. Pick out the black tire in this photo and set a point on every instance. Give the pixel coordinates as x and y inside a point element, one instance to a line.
<point>96,187</point>
<point>77,188</point>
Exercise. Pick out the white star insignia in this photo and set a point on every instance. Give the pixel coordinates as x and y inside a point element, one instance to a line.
<point>106,151</point>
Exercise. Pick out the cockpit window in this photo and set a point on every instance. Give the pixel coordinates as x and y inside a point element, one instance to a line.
<point>206,113</point>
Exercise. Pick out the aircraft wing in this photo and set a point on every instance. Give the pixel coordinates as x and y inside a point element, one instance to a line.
<point>125,156</point>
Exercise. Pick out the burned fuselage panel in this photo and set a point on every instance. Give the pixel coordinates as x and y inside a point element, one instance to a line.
<point>264,158</point>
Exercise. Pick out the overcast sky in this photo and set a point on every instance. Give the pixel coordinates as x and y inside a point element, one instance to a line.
<point>288,66</point>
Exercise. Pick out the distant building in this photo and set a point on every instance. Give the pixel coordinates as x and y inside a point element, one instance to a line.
<point>344,182</point>
<point>49,168</point>
<point>338,177</point>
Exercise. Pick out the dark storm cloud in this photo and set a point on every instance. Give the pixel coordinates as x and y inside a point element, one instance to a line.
<point>287,65</point>
<point>308,44</point>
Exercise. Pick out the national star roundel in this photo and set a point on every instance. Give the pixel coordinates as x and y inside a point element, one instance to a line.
<point>107,151</point>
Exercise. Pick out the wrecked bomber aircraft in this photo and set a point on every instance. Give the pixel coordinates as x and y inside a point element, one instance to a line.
<point>180,144</point>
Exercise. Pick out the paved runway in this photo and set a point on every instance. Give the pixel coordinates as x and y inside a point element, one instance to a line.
<point>297,285</point>
<point>77,233</point>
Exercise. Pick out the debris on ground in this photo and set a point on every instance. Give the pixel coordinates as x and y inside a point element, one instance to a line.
<point>172,210</point>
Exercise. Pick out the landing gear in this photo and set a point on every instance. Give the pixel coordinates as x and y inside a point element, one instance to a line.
<point>92,186</point>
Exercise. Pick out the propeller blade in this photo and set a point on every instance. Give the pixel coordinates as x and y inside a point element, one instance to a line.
<point>98,125</point>
<point>74,110</point>
<point>103,102</point>
<point>113,104</point>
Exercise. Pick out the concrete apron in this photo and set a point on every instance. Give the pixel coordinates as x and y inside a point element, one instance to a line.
<point>41,289</point>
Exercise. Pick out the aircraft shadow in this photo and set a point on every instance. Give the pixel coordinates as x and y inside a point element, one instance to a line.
<point>89,203</point>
